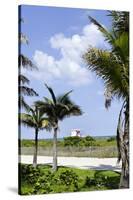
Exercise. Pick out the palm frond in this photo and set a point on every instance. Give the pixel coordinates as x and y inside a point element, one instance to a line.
<point>49,101</point>
<point>61,98</point>
<point>121,47</point>
<point>108,36</point>
<point>22,104</point>
<point>27,91</point>
<point>51,92</point>
<point>25,62</point>
<point>107,67</point>
<point>120,21</point>
<point>27,120</point>
<point>74,110</point>
<point>23,79</point>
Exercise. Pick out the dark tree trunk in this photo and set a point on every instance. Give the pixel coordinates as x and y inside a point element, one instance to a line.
<point>55,150</point>
<point>124,180</point>
<point>35,149</point>
<point>123,144</point>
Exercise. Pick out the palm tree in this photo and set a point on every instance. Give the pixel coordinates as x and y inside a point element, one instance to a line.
<point>57,109</point>
<point>113,67</point>
<point>35,119</point>
<point>23,81</point>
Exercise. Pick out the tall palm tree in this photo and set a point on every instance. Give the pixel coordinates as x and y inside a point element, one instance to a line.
<point>26,63</point>
<point>57,109</point>
<point>23,81</point>
<point>35,119</point>
<point>113,67</point>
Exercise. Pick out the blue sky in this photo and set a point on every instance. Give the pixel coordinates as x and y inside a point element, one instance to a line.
<point>58,38</point>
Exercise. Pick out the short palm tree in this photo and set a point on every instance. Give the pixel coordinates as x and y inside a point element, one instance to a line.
<point>113,67</point>
<point>35,119</point>
<point>57,109</point>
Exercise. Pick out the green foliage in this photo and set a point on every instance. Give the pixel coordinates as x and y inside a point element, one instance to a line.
<point>103,180</point>
<point>72,141</point>
<point>39,179</point>
<point>70,179</point>
<point>79,141</point>
<point>43,181</point>
<point>43,184</point>
<point>29,173</point>
<point>111,139</point>
<point>41,143</point>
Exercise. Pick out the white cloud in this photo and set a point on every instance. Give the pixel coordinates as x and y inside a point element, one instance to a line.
<point>70,66</point>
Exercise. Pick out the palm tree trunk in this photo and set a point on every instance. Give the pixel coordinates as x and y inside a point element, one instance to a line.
<point>123,144</point>
<point>36,148</point>
<point>124,180</point>
<point>55,150</point>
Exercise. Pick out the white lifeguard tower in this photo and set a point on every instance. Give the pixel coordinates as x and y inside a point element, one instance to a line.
<point>75,132</point>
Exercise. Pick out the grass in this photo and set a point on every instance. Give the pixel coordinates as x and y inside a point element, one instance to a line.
<point>88,180</point>
<point>95,152</point>
<point>60,143</point>
<point>102,148</point>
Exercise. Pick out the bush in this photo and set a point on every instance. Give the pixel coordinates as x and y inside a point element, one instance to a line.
<point>79,141</point>
<point>72,141</point>
<point>97,182</point>
<point>43,184</point>
<point>29,173</point>
<point>38,179</point>
<point>101,180</point>
<point>44,181</point>
<point>69,179</point>
<point>111,139</point>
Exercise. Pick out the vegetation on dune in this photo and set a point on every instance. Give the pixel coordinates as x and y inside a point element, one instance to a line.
<point>72,141</point>
<point>41,180</point>
<point>73,147</point>
<point>79,141</point>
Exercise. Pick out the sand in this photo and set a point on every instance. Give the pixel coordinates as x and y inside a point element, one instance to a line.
<point>77,162</point>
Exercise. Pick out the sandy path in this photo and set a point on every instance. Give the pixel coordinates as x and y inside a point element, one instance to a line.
<point>77,162</point>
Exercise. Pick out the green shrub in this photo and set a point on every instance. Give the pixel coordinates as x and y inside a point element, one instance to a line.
<point>40,180</point>
<point>30,174</point>
<point>79,141</point>
<point>97,182</point>
<point>72,141</point>
<point>69,179</point>
<point>111,139</point>
<point>101,180</point>
<point>44,184</point>
<point>44,181</point>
